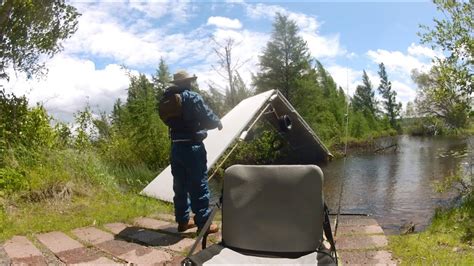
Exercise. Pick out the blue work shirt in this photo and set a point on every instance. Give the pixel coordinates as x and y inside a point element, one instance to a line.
<point>196,115</point>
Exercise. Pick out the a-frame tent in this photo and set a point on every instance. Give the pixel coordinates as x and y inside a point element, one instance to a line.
<point>271,105</point>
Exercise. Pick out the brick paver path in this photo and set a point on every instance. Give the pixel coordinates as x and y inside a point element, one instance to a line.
<point>361,240</point>
<point>154,241</point>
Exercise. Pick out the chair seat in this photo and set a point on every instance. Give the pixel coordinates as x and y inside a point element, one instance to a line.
<point>219,255</point>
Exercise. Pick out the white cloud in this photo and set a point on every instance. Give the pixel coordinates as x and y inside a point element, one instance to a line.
<point>397,61</point>
<point>70,84</point>
<point>417,57</point>
<point>152,9</point>
<point>223,22</point>
<point>345,77</point>
<point>404,91</point>
<point>423,51</point>
<point>305,22</point>
<point>101,35</point>
<point>320,46</point>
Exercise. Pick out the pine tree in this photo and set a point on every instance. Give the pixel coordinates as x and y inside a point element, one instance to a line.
<point>284,59</point>
<point>364,97</point>
<point>391,107</point>
<point>161,79</point>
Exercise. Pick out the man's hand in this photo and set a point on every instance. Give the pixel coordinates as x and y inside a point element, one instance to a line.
<point>219,126</point>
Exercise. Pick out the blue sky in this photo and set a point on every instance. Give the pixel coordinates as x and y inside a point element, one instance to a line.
<point>346,36</point>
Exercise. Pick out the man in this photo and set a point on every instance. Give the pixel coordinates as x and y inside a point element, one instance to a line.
<point>188,154</point>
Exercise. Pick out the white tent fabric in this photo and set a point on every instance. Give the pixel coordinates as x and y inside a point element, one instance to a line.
<point>216,143</point>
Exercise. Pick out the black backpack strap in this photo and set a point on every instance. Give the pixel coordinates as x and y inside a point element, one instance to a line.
<point>328,232</point>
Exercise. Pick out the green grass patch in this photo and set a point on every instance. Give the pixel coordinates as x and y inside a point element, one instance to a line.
<point>448,240</point>
<point>62,189</point>
<point>63,215</point>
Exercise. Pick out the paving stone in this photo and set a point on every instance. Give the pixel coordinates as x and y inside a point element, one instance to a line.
<point>183,245</point>
<point>352,221</point>
<point>20,247</point>
<point>69,250</point>
<point>20,250</point>
<point>380,257</point>
<point>134,253</point>
<point>117,228</point>
<point>82,255</point>
<point>58,241</point>
<point>129,252</point>
<point>50,257</point>
<point>165,217</point>
<point>361,242</point>
<point>175,261</point>
<point>92,235</point>
<point>151,223</point>
<point>4,259</point>
<point>36,260</point>
<point>358,230</point>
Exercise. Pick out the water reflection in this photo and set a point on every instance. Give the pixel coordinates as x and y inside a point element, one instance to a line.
<point>397,187</point>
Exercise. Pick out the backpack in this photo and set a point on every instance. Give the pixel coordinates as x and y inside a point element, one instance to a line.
<point>170,106</point>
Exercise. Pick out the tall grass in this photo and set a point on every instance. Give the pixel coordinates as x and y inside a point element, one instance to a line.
<point>64,189</point>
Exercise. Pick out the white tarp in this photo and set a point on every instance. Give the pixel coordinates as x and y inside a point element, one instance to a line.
<point>216,142</point>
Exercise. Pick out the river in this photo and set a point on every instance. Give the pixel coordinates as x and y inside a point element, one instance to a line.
<point>397,187</point>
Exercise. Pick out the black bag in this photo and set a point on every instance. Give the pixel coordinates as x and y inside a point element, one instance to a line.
<point>170,106</point>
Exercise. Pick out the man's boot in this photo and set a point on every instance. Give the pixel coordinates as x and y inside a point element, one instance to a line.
<point>185,226</point>
<point>213,228</point>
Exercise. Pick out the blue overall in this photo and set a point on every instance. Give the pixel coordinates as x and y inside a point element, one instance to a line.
<point>189,159</point>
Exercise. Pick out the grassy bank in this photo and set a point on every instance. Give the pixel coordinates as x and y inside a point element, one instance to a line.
<point>28,218</point>
<point>356,145</point>
<point>448,240</point>
<point>66,189</point>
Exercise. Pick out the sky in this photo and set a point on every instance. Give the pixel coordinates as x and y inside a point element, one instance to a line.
<point>118,38</point>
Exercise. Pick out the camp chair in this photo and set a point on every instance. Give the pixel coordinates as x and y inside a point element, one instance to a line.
<point>270,215</point>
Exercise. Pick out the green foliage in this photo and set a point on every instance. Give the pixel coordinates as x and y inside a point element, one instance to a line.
<point>446,91</point>
<point>23,126</point>
<point>136,135</point>
<point>11,180</point>
<point>439,97</point>
<point>260,150</point>
<point>391,107</point>
<point>85,129</point>
<point>364,97</point>
<point>161,79</point>
<point>425,126</point>
<point>284,59</point>
<point>31,29</point>
<point>453,35</point>
<point>358,126</point>
<point>457,180</point>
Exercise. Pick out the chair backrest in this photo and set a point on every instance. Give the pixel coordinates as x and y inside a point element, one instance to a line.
<point>273,208</point>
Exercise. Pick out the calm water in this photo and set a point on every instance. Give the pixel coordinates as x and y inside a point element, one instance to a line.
<point>395,187</point>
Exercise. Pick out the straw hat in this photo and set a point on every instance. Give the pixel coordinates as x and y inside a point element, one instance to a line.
<point>182,77</point>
